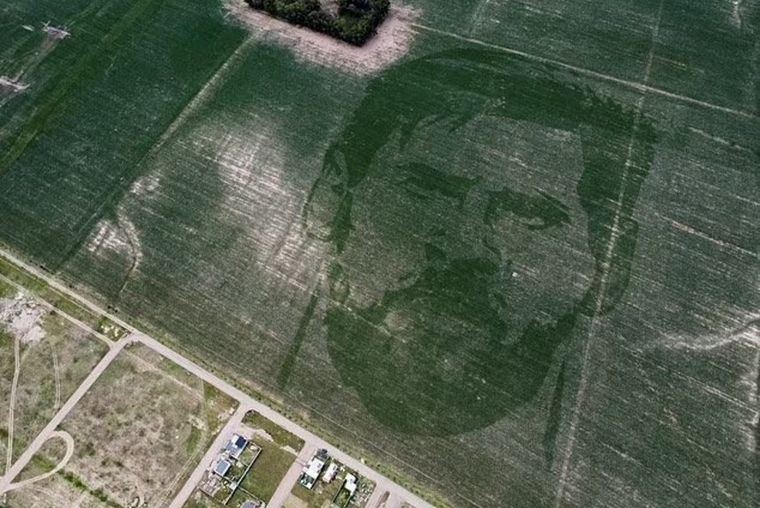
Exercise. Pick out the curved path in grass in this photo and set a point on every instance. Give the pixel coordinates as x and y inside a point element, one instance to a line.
<point>60,434</point>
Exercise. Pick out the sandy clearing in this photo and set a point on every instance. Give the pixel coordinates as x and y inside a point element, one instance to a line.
<point>20,316</point>
<point>393,39</point>
<point>48,307</point>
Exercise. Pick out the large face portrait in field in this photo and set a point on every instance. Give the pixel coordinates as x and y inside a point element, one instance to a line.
<point>477,207</point>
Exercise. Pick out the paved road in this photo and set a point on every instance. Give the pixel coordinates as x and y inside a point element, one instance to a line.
<point>286,485</point>
<point>229,428</point>
<point>50,429</point>
<point>311,440</point>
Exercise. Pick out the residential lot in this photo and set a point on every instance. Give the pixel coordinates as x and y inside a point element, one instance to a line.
<point>336,485</point>
<point>250,467</point>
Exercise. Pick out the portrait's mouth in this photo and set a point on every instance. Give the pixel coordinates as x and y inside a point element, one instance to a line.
<point>456,340</point>
<point>445,324</point>
<point>437,363</point>
<point>435,341</point>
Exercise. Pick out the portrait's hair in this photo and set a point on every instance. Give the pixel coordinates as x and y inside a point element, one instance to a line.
<point>617,143</point>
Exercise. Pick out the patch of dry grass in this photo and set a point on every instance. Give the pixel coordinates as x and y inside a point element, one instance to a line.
<point>141,429</point>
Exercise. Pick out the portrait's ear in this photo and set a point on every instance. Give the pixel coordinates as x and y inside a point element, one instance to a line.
<point>328,203</point>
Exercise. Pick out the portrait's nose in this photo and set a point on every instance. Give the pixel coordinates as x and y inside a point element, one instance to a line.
<point>469,237</point>
<point>474,233</point>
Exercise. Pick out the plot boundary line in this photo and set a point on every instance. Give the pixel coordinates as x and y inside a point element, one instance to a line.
<point>580,396</point>
<point>642,87</point>
<point>207,457</point>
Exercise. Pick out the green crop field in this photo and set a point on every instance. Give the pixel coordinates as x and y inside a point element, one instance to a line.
<point>518,267</point>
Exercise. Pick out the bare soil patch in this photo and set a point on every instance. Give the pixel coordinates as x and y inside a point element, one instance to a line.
<point>20,316</point>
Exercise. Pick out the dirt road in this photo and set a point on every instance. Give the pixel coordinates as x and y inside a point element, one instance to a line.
<point>12,402</point>
<point>69,441</point>
<point>50,429</point>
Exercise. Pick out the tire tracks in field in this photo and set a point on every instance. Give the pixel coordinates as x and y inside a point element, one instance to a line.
<point>603,285</point>
<point>106,200</point>
<point>477,16</point>
<point>135,246</point>
<point>641,87</point>
<point>34,58</point>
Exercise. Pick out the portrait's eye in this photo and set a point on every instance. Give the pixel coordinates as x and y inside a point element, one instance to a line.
<point>425,181</point>
<point>538,211</point>
<point>414,186</point>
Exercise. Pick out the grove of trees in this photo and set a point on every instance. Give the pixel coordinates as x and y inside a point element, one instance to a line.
<point>356,22</point>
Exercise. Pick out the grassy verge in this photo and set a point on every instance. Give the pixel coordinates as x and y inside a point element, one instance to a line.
<point>98,494</point>
<point>6,290</point>
<point>267,472</point>
<point>42,464</point>
<point>280,436</point>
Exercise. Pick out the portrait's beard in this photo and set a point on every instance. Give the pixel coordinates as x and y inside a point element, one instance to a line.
<point>438,357</point>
